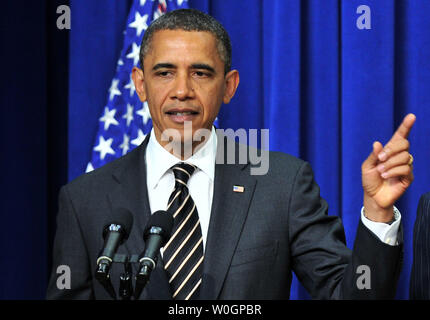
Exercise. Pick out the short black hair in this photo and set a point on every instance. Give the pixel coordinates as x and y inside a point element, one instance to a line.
<point>189,20</point>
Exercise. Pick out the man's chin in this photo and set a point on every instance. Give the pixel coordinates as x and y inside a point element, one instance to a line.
<point>185,133</point>
<point>184,143</point>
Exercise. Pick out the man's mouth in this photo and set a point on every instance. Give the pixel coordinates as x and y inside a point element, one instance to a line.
<point>181,113</point>
<point>180,116</point>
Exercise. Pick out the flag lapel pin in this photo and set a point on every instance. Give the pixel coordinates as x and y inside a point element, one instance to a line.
<point>238,189</point>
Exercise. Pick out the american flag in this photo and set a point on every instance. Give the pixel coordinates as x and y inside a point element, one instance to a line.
<point>125,120</point>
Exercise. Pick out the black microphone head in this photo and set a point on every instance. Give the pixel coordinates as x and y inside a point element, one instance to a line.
<point>160,222</point>
<point>120,220</point>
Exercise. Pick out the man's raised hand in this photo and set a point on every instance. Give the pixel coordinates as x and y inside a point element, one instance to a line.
<point>387,173</point>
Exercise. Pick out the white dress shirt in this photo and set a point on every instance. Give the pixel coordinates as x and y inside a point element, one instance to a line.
<point>161,180</point>
<point>161,183</point>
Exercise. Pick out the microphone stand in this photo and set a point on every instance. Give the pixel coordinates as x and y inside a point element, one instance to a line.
<point>126,291</point>
<point>125,282</point>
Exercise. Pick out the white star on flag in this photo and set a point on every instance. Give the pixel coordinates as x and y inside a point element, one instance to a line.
<point>104,147</point>
<point>129,115</point>
<point>134,54</point>
<point>125,146</point>
<point>89,167</point>
<point>142,2</point>
<point>139,139</point>
<point>139,23</point>
<point>130,86</point>
<point>109,118</point>
<point>144,113</point>
<point>113,90</point>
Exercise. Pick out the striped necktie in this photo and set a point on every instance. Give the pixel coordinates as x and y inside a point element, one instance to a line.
<point>183,253</point>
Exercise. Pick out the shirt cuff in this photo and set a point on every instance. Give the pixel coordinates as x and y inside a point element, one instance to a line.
<point>387,233</point>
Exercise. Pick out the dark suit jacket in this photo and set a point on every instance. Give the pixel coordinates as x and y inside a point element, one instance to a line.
<point>279,224</point>
<point>420,273</point>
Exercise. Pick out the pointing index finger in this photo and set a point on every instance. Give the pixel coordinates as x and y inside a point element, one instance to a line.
<point>406,126</point>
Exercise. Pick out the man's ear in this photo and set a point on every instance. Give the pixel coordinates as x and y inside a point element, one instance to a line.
<point>231,83</point>
<point>139,83</point>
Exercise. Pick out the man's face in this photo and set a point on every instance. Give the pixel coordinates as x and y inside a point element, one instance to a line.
<point>183,80</point>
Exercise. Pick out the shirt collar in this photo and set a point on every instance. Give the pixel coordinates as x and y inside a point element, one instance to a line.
<point>159,160</point>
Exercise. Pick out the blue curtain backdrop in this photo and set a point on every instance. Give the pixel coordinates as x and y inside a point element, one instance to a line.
<point>325,88</point>
<point>33,101</point>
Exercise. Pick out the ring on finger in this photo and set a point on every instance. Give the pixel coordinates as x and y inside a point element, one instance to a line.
<point>411,160</point>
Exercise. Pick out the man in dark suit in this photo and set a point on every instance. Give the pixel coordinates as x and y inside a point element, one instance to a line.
<point>420,274</point>
<point>249,231</point>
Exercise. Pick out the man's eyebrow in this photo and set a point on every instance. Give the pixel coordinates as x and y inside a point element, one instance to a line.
<point>166,65</point>
<point>203,66</point>
<point>163,65</point>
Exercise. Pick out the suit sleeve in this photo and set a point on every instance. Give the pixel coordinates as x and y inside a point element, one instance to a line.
<point>320,257</point>
<point>69,253</point>
<point>420,279</point>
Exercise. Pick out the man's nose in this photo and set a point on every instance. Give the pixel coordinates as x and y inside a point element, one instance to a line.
<point>182,89</point>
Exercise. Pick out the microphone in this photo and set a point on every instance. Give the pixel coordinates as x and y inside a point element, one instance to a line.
<point>156,234</point>
<point>114,234</point>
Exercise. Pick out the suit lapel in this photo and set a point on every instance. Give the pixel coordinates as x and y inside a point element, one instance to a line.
<point>131,192</point>
<point>228,215</point>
